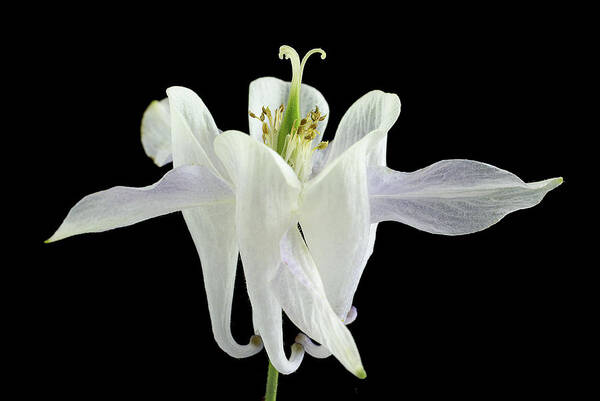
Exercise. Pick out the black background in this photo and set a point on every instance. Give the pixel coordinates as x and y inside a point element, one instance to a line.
<point>123,313</point>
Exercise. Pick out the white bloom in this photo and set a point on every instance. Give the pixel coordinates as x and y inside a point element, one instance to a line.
<point>239,195</point>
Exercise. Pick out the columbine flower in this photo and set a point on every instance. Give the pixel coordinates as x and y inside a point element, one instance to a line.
<point>254,193</point>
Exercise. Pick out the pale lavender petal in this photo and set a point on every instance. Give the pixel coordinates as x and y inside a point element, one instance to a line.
<point>451,197</point>
<point>181,188</point>
<point>300,292</point>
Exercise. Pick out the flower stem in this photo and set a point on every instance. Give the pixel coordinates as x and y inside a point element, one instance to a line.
<point>272,377</point>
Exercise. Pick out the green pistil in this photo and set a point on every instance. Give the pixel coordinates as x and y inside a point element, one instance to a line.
<point>292,110</point>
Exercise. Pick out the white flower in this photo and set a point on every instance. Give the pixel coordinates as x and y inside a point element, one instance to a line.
<point>238,193</point>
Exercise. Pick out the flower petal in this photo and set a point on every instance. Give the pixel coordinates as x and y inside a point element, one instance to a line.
<point>212,228</point>
<point>451,197</point>
<point>156,132</point>
<point>336,223</point>
<point>299,290</point>
<point>351,316</point>
<point>376,110</point>
<point>181,188</point>
<point>266,191</point>
<point>272,92</point>
<point>193,131</point>
<point>213,231</point>
<point>320,351</point>
<point>312,349</point>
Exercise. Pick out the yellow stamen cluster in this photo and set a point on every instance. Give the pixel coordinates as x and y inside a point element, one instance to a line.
<point>270,125</point>
<point>298,147</point>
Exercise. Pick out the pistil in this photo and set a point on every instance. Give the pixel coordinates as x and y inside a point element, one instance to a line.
<point>292,112</point>
<point>286,132</point>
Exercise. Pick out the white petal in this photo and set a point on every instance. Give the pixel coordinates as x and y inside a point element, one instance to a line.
<point>213,231</point>
<point>193,131</point>
<point>300,292</point>
<point>181,188</point>
<point>376,110</point>
<point>156,132</point>
<point>451,197</point>
<point>320,351</point>
<point>351,316</point>
<point>336,223</point>
<point>266,190</point>
<point>212,228</point>
<point>272,92</point>
<point>312,349</point>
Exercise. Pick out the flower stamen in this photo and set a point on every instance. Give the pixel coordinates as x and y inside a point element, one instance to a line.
<point>298,147</point>
<point>270,125</point>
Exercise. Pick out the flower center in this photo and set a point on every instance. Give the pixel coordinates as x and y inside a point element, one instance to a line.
<point>286,132</point>
<point>270,125</point>
<point>299,144</point>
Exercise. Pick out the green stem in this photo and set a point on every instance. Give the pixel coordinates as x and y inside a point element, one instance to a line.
<point>272,377</point>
